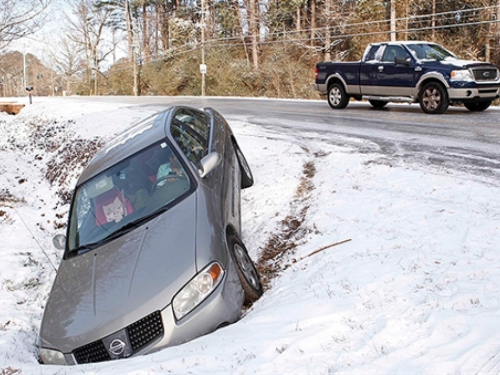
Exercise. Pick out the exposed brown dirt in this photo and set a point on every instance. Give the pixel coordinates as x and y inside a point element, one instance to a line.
<point>291,232</point>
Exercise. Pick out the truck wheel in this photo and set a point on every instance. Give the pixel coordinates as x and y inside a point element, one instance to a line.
<point>337,97</point>
<point>433,98</point>
<point>378,103</point>
<point>477,107</point>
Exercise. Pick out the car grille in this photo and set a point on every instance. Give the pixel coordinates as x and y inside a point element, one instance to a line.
<point>140,334</point>
<point>485,74</point>
<point>145,330</point>
<point>90,353</point>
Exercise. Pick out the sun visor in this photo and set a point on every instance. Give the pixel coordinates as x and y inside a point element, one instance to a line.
<point>98,186</point>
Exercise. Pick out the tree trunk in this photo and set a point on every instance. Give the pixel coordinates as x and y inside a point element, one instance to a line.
<point>313,21</point>
<point>145,33</point>
<point>328,40</point>
<point>254,30</point>
<point>298,20</point>
<point>433,35</point>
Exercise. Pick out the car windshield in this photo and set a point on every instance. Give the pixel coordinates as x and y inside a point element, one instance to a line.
<point>424,51</point>
<point>126,195</point>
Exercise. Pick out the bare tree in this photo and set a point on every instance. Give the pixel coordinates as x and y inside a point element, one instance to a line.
<point>68,60</point>
<point>88,27</point>
<point>20,18</point>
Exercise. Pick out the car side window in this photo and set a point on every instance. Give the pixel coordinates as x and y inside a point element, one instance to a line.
<point>191,131</point>
<point>391,52</point>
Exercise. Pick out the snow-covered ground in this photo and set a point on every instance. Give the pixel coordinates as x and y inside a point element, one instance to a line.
<point>414,291</point>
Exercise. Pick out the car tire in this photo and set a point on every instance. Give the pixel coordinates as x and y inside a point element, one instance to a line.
<point>433,98</point>
<point>245,268</point>
<point>337,97</point>
<point>246,173</point>
<point>478,107</point>
<point>378,103</point>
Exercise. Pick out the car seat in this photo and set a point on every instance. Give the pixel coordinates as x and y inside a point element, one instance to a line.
<point>106,199</point>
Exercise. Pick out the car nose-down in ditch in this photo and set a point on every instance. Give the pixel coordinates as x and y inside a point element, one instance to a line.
<point>153,254</point>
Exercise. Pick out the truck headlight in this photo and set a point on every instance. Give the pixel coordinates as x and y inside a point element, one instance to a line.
<point>51,357</point>
<point>199,288</point>
<point>461,75</point>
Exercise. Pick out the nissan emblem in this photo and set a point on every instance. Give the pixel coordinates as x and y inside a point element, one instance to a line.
<point>117,347</point>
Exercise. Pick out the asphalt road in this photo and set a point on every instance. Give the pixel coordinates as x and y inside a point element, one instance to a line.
<point>400,133</point>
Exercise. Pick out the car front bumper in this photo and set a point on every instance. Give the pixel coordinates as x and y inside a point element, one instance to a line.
<point>221,307</point>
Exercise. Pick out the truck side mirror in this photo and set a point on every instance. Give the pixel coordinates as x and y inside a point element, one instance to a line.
<point>402,61</point>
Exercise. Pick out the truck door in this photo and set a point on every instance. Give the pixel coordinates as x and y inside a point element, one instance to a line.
<point>391,78</point>
<point>368,70</point>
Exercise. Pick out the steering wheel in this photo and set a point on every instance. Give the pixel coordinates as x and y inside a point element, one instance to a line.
<point>167,177</point>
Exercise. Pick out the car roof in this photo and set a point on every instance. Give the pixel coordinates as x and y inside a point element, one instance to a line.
<point>127,143</point>
<point>404,42</point>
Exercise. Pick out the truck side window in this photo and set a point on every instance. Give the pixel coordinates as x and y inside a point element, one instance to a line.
<point>372,53</point>
<point>391,52</point>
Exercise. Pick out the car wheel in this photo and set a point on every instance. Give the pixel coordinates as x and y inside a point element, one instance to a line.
<point>337,97</point>
<point>246,172</point>
<point>477,107</point>
<point>433,98</point>
<point>378,103</point>
<point>247,273</point>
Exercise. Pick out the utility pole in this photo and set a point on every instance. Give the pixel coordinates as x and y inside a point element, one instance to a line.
<point>393,20</point>
<point>203,67</point>
<point>24,72</point>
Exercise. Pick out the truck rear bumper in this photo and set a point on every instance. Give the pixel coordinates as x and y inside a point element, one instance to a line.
<point>321,87</point>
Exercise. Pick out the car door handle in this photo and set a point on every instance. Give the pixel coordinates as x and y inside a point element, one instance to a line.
<point>380,68</point>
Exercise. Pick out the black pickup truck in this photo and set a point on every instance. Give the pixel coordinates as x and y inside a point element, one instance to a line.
<point>409,72</point>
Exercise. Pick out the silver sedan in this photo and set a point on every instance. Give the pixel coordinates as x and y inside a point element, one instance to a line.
<point>153,255</point>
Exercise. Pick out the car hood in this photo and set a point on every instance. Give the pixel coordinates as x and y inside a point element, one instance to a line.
<point>103,291</point>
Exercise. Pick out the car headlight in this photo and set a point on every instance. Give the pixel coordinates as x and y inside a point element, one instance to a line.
<point>197,289</point>
<point>461,75</point>
<point>51,357</point>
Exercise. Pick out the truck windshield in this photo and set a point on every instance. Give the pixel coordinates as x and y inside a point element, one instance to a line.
<point>427,51</point>
<point>125,196</point>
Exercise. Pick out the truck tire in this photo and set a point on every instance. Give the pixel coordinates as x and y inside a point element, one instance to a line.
<point>337,97</point>
<point>477,107</point>
<point>378,103</point>
<point>433,98</point>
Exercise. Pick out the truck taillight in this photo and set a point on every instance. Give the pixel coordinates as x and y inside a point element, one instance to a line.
<point>316,74</point>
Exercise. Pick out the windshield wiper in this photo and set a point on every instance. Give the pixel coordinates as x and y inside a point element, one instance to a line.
<point>84,248</point>
<point>126,228</point>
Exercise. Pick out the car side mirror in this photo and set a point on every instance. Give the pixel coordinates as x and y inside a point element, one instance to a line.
<point>402,61</point>
<point>208,164</point>
<point>59,241</point>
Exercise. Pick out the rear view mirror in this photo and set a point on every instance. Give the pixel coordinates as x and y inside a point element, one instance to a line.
<point>59,241</point>
<point>208,164</point>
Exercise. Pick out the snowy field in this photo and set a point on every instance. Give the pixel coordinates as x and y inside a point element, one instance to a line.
<point>414,291</point>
